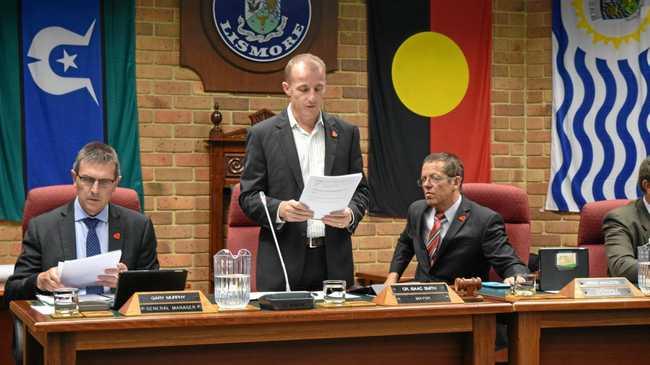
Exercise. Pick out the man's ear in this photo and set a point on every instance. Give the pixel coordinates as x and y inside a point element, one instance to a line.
<point>286,88</point>
<point>646,185</point>
<point>74,176</point>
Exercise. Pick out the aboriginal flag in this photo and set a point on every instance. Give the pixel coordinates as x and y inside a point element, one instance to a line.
<point>429,82</point>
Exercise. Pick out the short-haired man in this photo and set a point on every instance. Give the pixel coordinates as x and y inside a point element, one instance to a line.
<point>627,228</point>
<point>81,229</point>
<point>450,235</point>
<point>281,153</point>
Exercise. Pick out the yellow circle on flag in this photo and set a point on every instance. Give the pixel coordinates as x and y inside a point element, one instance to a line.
<point>430,74</point>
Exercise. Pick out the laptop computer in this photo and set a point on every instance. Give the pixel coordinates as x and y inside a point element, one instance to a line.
<point>559,265</point>
<point>130,282</point>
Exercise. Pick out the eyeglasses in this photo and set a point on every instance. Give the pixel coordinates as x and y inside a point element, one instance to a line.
<point>435,179</point>
<point>89,181</point>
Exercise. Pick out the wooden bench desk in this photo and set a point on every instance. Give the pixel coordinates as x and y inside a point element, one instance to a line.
<point>440,334</point>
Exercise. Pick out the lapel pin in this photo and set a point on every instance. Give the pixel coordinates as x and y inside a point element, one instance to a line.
<point>334,134</point>
<point>461,218</point>
<point>117,235</point>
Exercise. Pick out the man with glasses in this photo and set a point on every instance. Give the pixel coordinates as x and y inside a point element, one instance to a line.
<point>81,229</point>
<point>450,235</point>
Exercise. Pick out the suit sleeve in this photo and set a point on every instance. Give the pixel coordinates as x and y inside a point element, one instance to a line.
<point>147,255</point>
<point>253,180</point>
<point>619,246</point>
<point>359,202</point>
<point>498,250</point>
<point>404,250</point>
<point>22,284</point>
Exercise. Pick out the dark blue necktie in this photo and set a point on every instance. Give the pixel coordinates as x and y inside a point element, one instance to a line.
<point>92,249</point>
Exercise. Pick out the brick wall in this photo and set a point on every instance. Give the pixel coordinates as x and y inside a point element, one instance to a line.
<point>174,122</point>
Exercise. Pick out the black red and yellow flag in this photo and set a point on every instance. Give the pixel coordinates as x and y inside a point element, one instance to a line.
<point>429,82</point>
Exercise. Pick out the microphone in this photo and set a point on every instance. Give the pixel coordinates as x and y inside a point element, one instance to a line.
<point>275,239</point>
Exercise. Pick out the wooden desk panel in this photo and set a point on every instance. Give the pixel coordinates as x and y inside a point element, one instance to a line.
<point>6,330</point>
<point>602,331</point>
<point>450,334</point>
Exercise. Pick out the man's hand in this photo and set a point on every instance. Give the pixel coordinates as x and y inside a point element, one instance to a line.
<point>294,211</point>
<point>48,280</point>
<point>339,219</point>
<point>110,276</point>
<point>392,278</point>
<point>511,280</point>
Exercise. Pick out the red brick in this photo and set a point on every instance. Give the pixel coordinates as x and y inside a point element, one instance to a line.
<point>192,188</point>
<point>172,87</point>
<point>191,246</point>
<point>192,131</point>
<point>173,174</point>
<point>156,188</point>
<point>174,203</point>
<point>193,217</point>
<point>175,260</point>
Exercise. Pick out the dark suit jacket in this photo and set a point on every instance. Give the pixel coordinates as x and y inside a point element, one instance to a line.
<point>625,229</point>
<point>271,165</point>
<point>50,238</point>
<point>476,240</point>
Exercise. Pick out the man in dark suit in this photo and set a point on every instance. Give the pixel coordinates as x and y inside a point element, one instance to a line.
<point>281,153</point>
<point>450,235</point>
<point>87,226</point>
<point>626,228</point>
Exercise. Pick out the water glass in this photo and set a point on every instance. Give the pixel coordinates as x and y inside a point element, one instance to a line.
<point>525,285</point>
<point>644,277</point>
<point>66,302</point>
<point>232,279</point>
<point>334,291</point>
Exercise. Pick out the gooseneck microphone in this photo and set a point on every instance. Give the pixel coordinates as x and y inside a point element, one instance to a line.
<point>275,239</point>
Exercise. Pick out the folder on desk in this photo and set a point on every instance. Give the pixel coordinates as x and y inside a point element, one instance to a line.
<point>559,265</point>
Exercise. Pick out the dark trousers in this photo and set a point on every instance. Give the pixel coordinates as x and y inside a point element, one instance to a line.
<point>314,270</point>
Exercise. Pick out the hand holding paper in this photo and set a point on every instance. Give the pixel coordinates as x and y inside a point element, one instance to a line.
<point>85,272</point>
<point>327,194</point>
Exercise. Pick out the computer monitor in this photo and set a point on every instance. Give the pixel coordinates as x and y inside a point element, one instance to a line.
<point>130,282</point>
<point>559,265</point>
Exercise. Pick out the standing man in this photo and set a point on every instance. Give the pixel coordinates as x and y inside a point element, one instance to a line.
<point>450,235</point>
<point>81,229</point>
<point>626,228</point>
<point>281,153</point>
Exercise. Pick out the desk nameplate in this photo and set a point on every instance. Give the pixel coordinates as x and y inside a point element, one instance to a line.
<point>417,293</point>
<point>167,303</point>
<point>600,288</point>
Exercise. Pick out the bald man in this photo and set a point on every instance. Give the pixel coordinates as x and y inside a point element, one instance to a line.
<point>281,153</point>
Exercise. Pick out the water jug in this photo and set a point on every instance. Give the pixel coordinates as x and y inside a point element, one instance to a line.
<point>232,279</point>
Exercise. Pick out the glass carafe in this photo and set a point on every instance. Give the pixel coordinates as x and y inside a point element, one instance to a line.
<point>232,279</point>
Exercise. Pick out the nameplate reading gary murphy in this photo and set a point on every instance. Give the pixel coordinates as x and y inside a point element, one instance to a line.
<point>421,293</point>
<point>172,302</point>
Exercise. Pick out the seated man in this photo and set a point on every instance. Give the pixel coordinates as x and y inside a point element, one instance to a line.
<point>81,229</point>
<point>450,235</point>
<point>626,228</point>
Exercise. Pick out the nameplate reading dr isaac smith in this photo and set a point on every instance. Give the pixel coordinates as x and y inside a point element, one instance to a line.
<point>421,293</point>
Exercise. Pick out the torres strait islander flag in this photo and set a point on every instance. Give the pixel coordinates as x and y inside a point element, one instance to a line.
<point>67,76</point>
<point>429,82</point>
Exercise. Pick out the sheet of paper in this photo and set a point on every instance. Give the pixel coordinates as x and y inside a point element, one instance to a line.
<point>43,309</point>
<point>326,194</point>
<point>83,272</point>
<point>5,272</point>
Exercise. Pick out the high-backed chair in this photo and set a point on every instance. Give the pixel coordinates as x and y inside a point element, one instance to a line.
<point>44,199</point>
<point>512,203</point>
<point>242,232</point>
<point>590,233</point>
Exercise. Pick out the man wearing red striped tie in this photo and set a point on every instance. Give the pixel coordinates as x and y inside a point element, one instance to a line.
<point>450,235</point>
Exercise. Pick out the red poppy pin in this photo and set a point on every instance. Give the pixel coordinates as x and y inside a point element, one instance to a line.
<point>117,235</point>
<point>334,134</point>
<point>461,218</point>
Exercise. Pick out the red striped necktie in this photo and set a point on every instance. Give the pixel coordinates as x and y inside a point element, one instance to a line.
<point>433,240</point>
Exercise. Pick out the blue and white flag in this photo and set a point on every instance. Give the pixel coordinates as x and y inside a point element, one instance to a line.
<point>601,104</point>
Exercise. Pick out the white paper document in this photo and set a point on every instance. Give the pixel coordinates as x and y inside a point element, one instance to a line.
<point>327,194</point>
<point>5,272</point>
<point>83,272</point>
